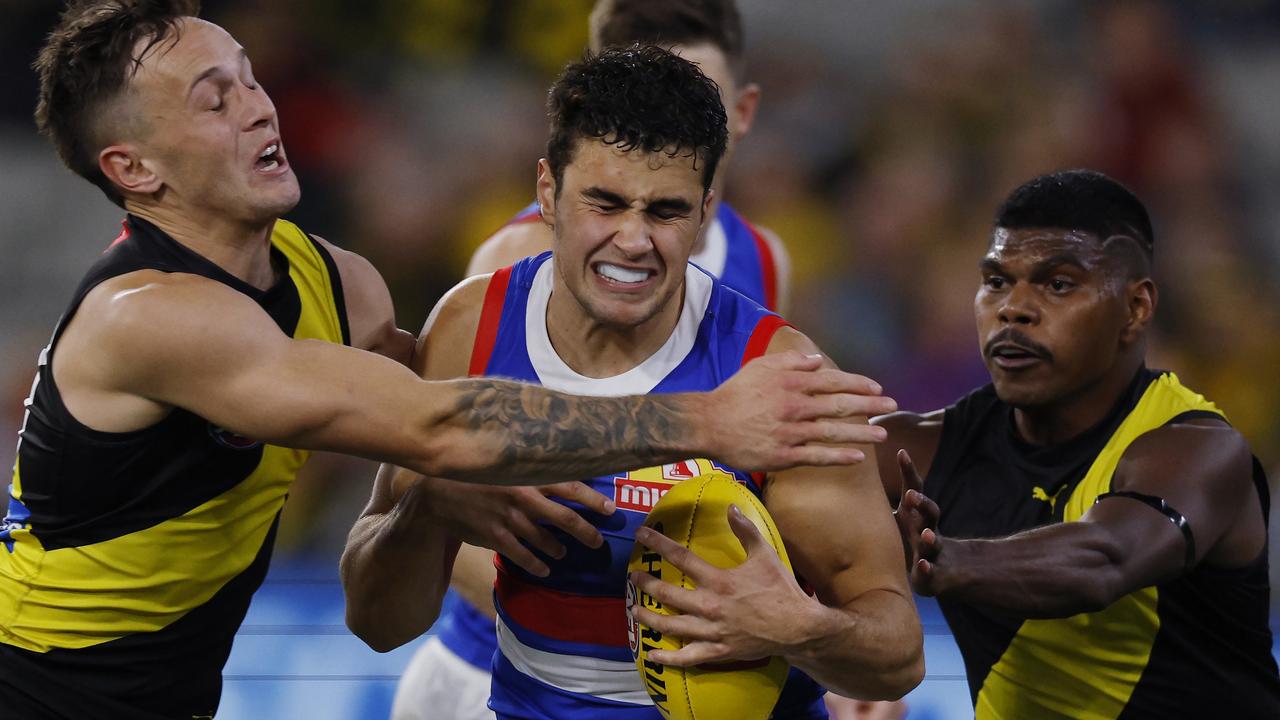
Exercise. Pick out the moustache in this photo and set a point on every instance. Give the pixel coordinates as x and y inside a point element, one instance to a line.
<point>1012,335</point>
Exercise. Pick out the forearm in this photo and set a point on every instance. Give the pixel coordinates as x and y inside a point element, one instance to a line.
<point>1051,572</point>
<point>870,649</point>
<point>473,577</point>
<point>510,433</point>
<point>394,576</point>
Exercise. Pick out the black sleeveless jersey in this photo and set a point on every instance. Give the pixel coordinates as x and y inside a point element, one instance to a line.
<point>1198,646</point>
<point>127,560</point>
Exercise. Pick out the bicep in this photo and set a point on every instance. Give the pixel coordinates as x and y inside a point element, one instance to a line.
<point>370,311</point>
<point>1201,474</point>
<point>238,370</point>
<point>839,530</point>
<point>836,521</point>
<point>918,434</point>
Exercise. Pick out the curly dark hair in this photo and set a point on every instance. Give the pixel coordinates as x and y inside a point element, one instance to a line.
<point>670,22</point>
<point>638,97</point>
<point>86,62</point>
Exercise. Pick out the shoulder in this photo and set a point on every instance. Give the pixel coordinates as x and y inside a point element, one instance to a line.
<point>513,242</point>
<point>1201,451</point>
<point>444,345</point>
<point>370,310</point>
<point>141,326</point>
<point>144,301</point>
<point>361,281</point>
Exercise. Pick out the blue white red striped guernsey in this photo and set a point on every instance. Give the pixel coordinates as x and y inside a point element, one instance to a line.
<point>562,640</point>
<point>733,250</point>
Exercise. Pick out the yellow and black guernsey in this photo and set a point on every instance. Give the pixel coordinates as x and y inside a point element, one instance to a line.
<point>127,560</point>
<point>1198,646</point>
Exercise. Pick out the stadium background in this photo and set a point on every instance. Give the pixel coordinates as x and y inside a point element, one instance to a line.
<point>887,134</point>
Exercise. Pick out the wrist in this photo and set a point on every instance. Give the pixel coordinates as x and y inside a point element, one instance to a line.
<point>698,413</point>
<point>951,569</point>
<point>812,626</point>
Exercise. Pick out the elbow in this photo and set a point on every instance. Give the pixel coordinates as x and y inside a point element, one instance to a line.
<point>902,674</point>
<point>382,636</point>
<point>377,638</point>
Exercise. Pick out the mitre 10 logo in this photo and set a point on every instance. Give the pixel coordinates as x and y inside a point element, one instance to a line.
<point>635,491</point>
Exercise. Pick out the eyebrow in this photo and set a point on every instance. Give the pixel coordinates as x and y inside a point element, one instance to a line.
<point>989,264</point>
<point>599,193</point>
<point>669,204</point>
<point>1054,261</point>
<point>213,70</point>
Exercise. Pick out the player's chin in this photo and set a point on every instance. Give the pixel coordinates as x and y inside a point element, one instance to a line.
<point>278,199</point>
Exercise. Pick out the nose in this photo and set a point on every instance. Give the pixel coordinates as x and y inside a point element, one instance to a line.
<point>260,111</point>
<point>1019,306</point>
<point>632,235</point>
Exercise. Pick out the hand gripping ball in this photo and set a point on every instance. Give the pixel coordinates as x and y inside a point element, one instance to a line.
<point>694,513</point>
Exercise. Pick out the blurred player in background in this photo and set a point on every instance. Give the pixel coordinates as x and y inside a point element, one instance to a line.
<point>745,257</point>
<point>1098,543</point>
<point>207,343</point>
<point>616,308</point>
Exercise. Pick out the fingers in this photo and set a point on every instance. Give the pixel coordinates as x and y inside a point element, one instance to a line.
<point>511,548</point>
<point>832,432</point>
<point>789,360</point>
<point>910,478</point>
<point>815,456</point>
<point>536,535</point>
<point>581,493</point>
<point>683,559</point>
<point>844,405</point>
<point>829,381</point>
<point>686,627</point>
<point>677,598</point>
<point>930,545</point>
<point>695,653</point>
<point>539,507</point>
<point>748,534</point>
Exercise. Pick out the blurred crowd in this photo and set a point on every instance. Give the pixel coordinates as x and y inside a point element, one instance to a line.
<point>887,135</point>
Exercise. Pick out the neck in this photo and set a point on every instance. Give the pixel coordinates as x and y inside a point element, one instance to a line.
<point>243,250</point>
<point>599,350</point>
<point>1070,416</point>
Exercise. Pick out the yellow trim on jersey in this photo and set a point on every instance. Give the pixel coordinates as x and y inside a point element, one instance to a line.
<point>76,597</point>
<point>310,275</point>
<point>1086,667</point>
<point>140,582</point>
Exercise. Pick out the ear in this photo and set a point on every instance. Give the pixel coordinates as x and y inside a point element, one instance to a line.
<point>1142,297</point>
<point>744,110</point>
<point>708,199</point>
<point>546,193</point>
<point>127,170</point>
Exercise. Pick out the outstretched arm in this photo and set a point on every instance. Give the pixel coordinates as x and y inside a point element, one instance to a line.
<point>158,347</point>
<point>1202,471</point>
<point>859,636</point>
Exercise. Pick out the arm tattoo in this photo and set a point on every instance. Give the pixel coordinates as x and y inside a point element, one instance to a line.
<point>544,434</point>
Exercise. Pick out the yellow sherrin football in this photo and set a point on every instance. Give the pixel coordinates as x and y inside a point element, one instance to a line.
<point>694,513</point>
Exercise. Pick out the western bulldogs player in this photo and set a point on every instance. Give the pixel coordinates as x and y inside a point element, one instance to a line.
<point>616,308</point>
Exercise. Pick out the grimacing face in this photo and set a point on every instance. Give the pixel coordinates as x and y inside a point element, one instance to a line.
<point>208,131</point>
<point>1051,312</point>
<point>624,224</point>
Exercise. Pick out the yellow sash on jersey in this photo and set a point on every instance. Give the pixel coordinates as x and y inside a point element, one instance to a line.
<point>1085,667</point>
<point>143,581</point>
